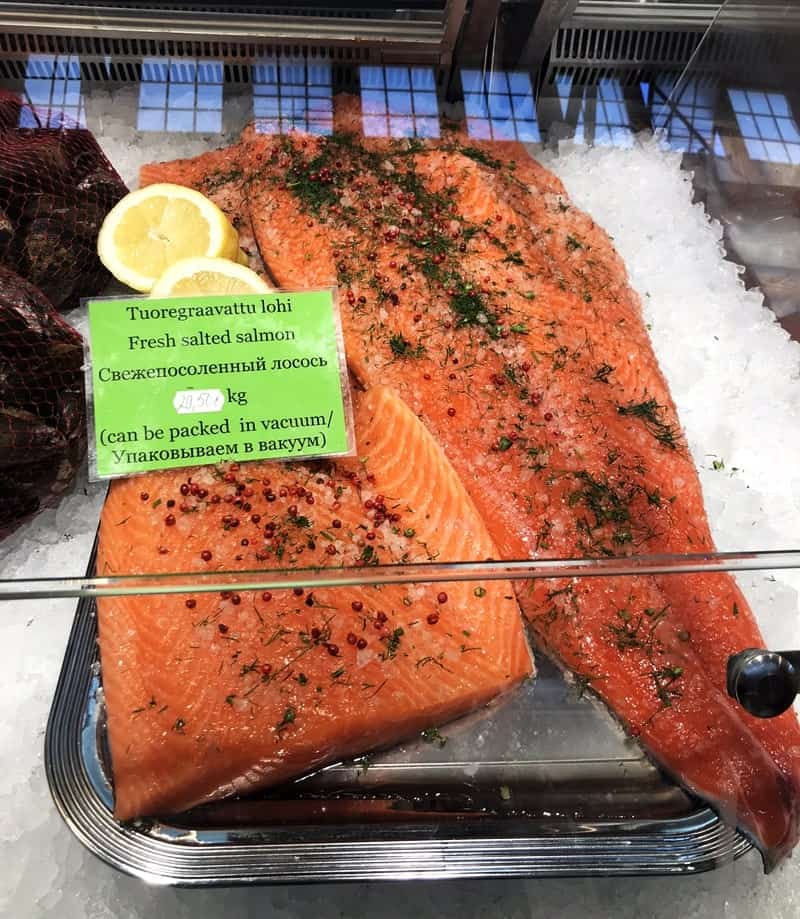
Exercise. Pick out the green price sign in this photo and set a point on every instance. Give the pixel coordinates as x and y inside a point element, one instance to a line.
<point>198,380</point>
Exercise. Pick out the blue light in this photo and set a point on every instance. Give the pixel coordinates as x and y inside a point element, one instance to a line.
<point>181,95</point>
<point>499,105</point>
<point>686,123</point>
<point>292,94</point>
<point>399,102</point>
<point>52,89</point>
<point>765,121</point>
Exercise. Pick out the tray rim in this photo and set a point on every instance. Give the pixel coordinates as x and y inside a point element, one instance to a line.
<point>698,842</point>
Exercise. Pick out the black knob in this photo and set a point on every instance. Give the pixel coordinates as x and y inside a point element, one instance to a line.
<point>764,683</point>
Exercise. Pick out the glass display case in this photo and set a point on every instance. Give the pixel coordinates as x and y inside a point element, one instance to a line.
<point>563,243</point>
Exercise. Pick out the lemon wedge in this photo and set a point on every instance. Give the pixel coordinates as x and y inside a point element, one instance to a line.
<point>194,276</point>
<point>242,257</point>
<point>154,227</point>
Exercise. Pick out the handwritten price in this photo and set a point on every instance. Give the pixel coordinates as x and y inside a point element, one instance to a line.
<point>195,401</point>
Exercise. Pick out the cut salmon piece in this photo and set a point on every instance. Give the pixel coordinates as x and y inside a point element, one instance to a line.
<point>219,175</point>
<point>622,374</point>
<point>224,693</point>
<point>503,316</point>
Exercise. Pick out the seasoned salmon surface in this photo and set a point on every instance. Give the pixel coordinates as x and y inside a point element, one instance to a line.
<point>220,693</point>
<point>503,316</point>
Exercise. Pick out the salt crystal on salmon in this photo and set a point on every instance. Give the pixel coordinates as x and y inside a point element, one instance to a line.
<point>226,693</point>
<point>503,315</point>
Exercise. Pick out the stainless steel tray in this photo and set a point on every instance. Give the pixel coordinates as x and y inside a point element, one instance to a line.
<point>542,784</point>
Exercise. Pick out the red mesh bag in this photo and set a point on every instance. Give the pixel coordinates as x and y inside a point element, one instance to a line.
<point>42,408</point>
<point>56,187</point>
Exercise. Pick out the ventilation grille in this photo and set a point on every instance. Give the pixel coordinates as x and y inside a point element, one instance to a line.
<point>585,54</point>
<point>351,34</point>
<point>119,60</point>
<point>607,46</point>
<point>92,46</point>
<point>372,10</point>
<point>632,55</point>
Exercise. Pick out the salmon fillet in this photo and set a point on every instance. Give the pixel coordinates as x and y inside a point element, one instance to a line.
<point>504,317</point>
<point>634,419</point>
<point>223,693</point>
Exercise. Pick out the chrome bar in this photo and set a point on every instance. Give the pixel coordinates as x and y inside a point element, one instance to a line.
<point>196,25</point>
<point>549,19</point>
<point>608,14</point>
<point>737,15</point>
<point>205,582</point>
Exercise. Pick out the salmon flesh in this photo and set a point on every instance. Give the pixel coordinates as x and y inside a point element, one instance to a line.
<point>502,315</point>
<point>222,693</point>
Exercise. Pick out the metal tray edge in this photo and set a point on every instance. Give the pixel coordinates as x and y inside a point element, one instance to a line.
<point>697,843</point>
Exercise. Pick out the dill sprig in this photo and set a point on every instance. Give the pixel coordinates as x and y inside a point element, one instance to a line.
<point>601,374</point>
<point>402,347</point>
<point>480,156</point>
<point>603,500</point>
<point>650,413</point>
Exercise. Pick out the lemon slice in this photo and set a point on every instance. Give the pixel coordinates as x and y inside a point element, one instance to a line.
<point>242,257</point>
<point>154,227</point>
<point>193,276</point>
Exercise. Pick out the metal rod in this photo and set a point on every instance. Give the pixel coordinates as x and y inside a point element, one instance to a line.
<point>549,19</point>
<point>204,582</point>
<point>682,82</point>
<point>672,15</point>
<point>197,25</point>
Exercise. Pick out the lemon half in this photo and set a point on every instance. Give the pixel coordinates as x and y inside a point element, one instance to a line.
<point>194,276</point>
<point>152,228</point>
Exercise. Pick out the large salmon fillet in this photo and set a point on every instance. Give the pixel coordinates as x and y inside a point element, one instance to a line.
<point>504,317</point>
<point>226,693</point>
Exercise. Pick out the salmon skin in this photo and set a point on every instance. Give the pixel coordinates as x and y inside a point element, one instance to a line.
<point>225,693</point>
<point>503,316</point>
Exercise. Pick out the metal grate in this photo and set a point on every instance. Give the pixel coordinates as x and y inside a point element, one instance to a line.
<point>584,52</point>
<point>589,55</point>
<point>112,41</point>
<point>119,60</point>
<point>24,44</point>
<point>626,45</point>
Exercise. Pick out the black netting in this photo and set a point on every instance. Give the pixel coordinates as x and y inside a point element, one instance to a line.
<point>42,423</point>
<point>56,187</point>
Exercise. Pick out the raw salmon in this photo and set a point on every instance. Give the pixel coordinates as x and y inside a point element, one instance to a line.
<point>503,315</point>
<point>630,396</point>
<point>226,693</point>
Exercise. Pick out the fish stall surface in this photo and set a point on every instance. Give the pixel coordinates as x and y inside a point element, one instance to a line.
<point>502,315</point>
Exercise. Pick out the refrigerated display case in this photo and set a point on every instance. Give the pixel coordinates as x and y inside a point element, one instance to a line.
<point>674,127</point>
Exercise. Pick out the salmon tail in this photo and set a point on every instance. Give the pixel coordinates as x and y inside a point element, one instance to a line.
<point>789,763</point>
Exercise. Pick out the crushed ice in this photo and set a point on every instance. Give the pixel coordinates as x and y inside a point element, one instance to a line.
<point>733,373</point>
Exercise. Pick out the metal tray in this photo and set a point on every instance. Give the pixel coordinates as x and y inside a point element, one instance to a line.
<point>541,784</point>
